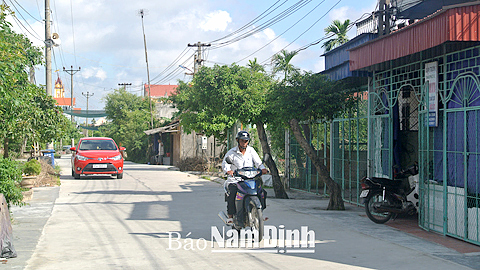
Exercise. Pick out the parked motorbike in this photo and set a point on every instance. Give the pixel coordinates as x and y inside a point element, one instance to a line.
<point>386,198</point>
<point>249,208</point>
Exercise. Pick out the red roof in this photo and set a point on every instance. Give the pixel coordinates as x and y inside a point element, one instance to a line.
<point>158,91</point>
<point>64,101</point>
<point>453,23</point>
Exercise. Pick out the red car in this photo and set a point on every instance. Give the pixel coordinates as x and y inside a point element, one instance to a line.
<point>97,155</point>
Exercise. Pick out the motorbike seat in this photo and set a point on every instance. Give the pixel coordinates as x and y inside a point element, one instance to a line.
<point>386,182</point>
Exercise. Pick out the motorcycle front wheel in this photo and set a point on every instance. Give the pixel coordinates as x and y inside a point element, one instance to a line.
<point>255,217</point>
<point>375,198</point>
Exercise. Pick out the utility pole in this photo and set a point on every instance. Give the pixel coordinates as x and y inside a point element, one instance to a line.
<point>72,72</point>
<point>142,13</point>
<point>125,85</point>
<point>48,50</point>
<point>198,57</point>
<point>383,17</point>
<point>87,95</point>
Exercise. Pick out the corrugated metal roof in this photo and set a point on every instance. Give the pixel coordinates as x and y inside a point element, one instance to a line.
<point>172,127</point>
<point>454,23</point>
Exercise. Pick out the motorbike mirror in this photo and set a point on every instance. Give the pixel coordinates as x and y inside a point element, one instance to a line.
<point>229,160</point>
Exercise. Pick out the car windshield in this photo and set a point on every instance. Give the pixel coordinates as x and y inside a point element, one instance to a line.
<point>97,145</point>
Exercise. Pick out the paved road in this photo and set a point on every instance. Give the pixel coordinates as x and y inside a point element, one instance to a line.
<point>105,223</point>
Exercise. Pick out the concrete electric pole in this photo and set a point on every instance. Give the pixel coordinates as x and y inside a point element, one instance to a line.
<point>87,95</point>
<point>48,50</point>
<point>71,71</point>
<point>198,57</point>
<point>142,13</point>
<point>383,17</point>
<point>125,85</point>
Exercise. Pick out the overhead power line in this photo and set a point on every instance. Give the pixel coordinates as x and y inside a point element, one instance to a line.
<point>21,25</point>
<point>277,18</point>
<point>25,10</point>
<point>256,19</point>
<point>291,28</point>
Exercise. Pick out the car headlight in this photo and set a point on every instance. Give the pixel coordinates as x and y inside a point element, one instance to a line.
<point>82,158</point>
<point>116,157</point>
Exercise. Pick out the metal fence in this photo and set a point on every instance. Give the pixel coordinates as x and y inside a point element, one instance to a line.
<point>451,187</point>
<point>303,174</point>
<point>399,130</point>
<point>342,146</point>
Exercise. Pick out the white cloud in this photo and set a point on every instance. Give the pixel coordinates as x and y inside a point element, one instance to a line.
<point>94,72</point>
<point>341,14</point>
<point>216,21</point>
<point>105,38</point>
<point>269,33</point>
<point>320,65</point>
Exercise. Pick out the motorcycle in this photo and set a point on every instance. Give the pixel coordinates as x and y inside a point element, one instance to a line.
<point>385,198</point>
<point>249,208</point>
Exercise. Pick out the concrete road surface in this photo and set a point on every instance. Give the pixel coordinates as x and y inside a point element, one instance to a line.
<point>133,223</point>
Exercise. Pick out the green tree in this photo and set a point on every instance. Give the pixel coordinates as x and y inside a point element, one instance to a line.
<point>339,31</point>
<point>304,98</point>
<point>281,63</point>
<point>218,97</point>
<point>25,109</point>
<point>10,178</point>
<point>129,117</point>
<point>201,108</point>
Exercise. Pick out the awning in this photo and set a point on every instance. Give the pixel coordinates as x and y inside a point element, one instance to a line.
<point>414,9</point>
<point>459,23</point>
<point>174,127</point>
<point>86,113</point>
<point>89,128</point>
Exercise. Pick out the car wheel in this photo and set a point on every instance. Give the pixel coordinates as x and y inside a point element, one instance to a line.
<point>120,176</point>
<point>76,175</point>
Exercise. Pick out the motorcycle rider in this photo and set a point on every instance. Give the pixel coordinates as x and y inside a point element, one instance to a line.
<point>241,155</point>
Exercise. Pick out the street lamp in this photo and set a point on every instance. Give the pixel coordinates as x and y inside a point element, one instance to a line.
<point>187,69</point>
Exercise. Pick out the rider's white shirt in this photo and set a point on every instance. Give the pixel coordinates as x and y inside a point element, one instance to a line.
<point>249,159</point>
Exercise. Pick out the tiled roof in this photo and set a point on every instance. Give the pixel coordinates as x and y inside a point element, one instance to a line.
<point>64,101</point>
<point>158,91</point>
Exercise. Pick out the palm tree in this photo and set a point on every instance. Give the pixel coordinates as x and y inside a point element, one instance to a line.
<point>281,62</point>
<point>339,30</point>
<point>255,66</point>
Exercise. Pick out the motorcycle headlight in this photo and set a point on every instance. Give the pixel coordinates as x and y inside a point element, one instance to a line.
<point>82,158</point>
<point>248,174</point>
<point>119,157</point>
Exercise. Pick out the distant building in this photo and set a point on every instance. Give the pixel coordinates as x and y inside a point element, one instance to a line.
<point>159,91</point>
<point>162,109</point>
<point>60,98</point>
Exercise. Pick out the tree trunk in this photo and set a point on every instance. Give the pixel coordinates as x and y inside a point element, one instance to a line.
<point>278,187</point>
<point>336,201</point>
<point>5,147</point>
<point>24,146</point>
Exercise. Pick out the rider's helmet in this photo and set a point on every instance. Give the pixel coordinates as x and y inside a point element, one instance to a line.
<point>243,135</point>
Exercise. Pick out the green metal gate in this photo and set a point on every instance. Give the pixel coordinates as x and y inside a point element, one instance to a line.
<point>380,133</point>
<point>342,145</point>
<point>303,174</point>
<point>349,150</point>
<point>450,180</point>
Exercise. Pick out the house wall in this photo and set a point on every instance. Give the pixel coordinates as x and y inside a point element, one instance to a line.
<point>177,148</point>
<point>190,145</point>
<point>341,55</point>
<point>164,110</point>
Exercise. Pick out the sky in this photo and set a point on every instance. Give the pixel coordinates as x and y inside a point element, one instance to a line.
<point>104,37</point>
